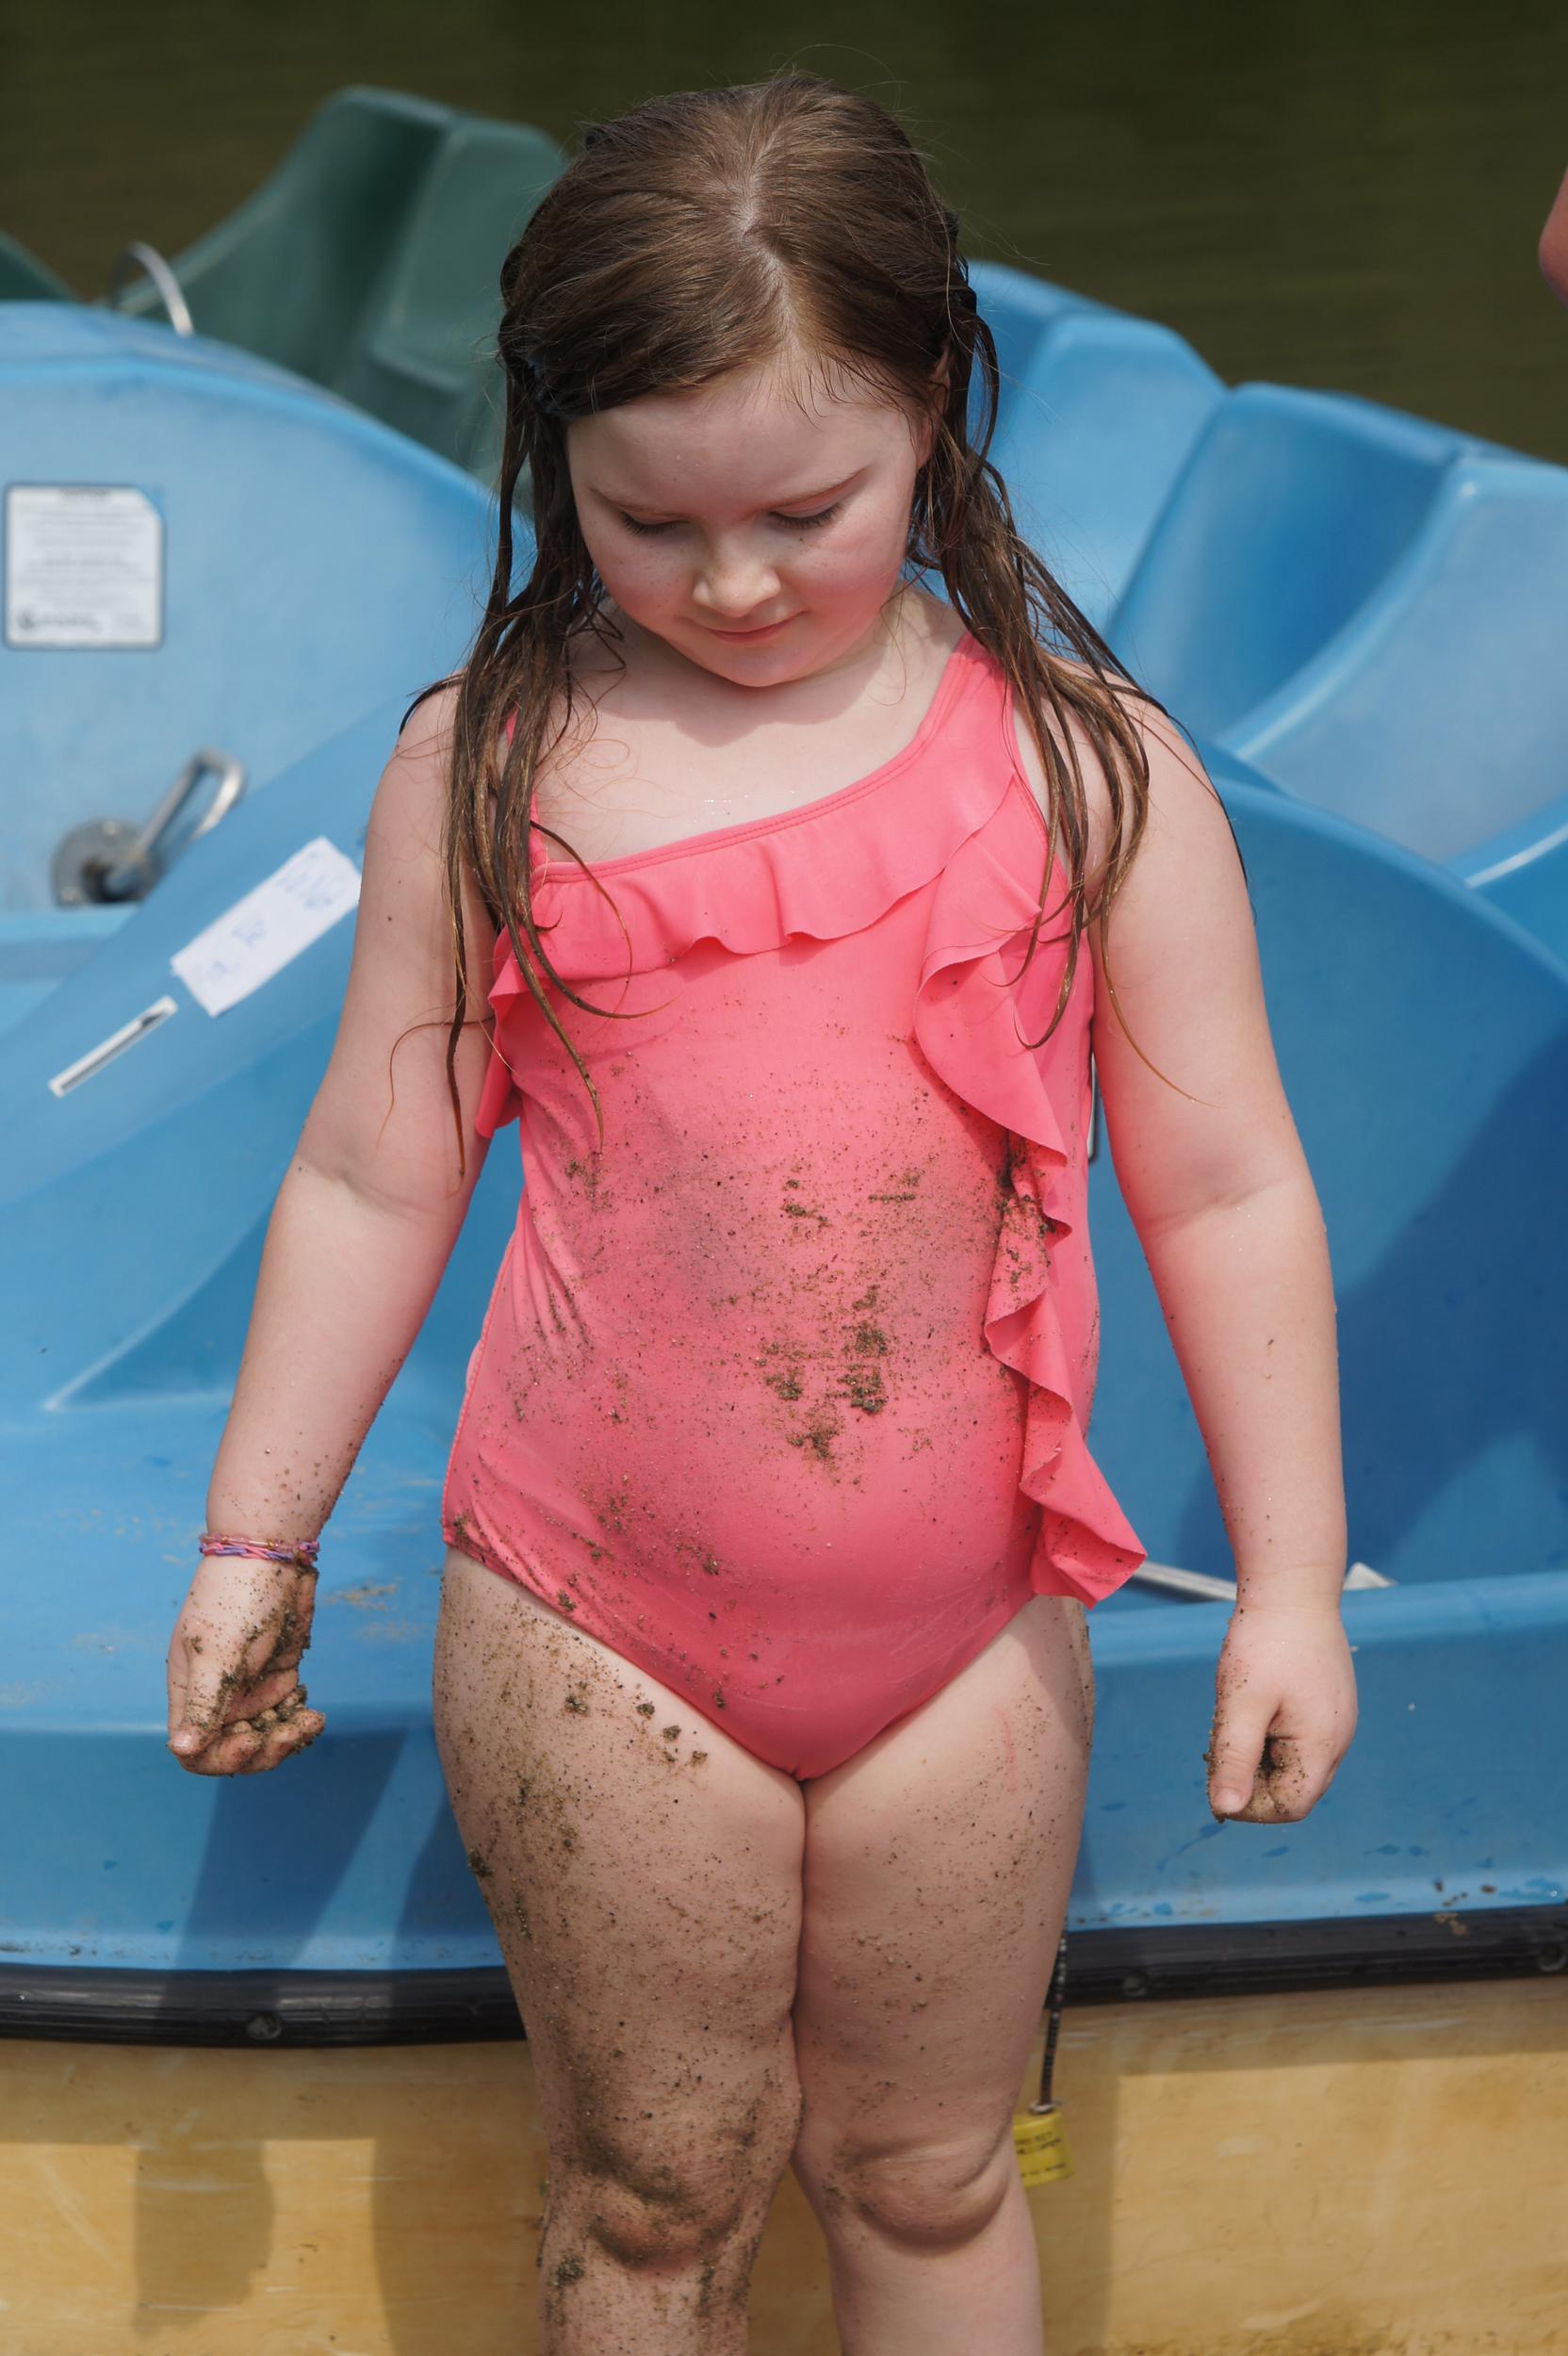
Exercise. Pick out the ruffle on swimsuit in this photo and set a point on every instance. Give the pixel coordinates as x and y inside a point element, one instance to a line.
<point>833,868</point>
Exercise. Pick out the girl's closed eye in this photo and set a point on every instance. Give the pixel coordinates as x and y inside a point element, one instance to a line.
<point>810,523</point>
<point>794,523</point>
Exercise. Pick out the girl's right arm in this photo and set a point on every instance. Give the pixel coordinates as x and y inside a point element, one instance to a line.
<point>359,1234</point>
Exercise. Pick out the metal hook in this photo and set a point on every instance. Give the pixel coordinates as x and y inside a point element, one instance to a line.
<point>139,258</point>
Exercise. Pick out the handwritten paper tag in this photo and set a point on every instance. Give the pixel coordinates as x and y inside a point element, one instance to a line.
<point>270,926</point>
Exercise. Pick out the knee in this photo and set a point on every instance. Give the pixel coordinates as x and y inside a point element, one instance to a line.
<point>654,2206</point>
<point>929,2197</point>
<point>660,2216</point>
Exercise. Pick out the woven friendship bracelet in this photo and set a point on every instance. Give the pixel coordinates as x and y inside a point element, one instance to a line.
<point>303,1554</point>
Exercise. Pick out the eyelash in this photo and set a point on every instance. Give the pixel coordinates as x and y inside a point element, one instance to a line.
<point>791,523</point>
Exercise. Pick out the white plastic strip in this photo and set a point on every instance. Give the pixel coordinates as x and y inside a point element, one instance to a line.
<point>129,1035</point>
<point>1206,1589</point>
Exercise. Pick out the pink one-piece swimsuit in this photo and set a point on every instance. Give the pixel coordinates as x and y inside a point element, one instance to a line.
<point>782,1393</point>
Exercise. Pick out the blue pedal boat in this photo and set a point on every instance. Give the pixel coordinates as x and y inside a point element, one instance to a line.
<point>1423,1035</point>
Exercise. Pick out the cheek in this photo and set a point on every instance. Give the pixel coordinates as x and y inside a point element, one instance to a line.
<point>856,559</point>
<point>638,576</point>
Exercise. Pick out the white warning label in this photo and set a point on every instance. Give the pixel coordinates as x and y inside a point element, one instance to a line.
<point>84,565</point>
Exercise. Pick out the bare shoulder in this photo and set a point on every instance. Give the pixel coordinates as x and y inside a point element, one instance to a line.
<point>409,812</point>
<point>404,882</point>
<point>425,737</point>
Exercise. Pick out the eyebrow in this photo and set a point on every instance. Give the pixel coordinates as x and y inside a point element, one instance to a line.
<point>792,498</point>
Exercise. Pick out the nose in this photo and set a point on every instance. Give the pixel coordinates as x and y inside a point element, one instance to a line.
<point>734,582</point>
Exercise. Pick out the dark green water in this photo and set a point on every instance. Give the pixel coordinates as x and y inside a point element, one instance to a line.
<point>1336,195</point>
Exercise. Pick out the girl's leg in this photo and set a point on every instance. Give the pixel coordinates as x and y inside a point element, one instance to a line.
<point>938,1864</point>
<point>644,1875</point>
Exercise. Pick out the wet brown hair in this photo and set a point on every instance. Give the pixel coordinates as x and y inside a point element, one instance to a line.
<point>784,221</point>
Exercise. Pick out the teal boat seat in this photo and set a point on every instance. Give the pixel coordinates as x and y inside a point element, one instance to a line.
<point>427,364</point>
<point>296,273</point>
<point>24,279</point>
<point>369,260</point>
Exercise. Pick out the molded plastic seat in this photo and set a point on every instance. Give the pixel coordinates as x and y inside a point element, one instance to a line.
<point>1423,1040</point>
<point>1368,609</point>
<point>1362,605</point>
<point>1438,716</point>
<point>1292,509</point>
<point>1099,413</point>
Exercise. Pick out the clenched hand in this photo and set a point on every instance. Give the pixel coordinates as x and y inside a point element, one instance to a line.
<point>236,1704</point>
<point>1284,1711</point>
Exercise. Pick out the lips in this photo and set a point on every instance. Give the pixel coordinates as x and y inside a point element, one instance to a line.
<point>762,629</point>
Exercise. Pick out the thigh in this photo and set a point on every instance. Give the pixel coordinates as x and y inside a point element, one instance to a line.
<point>938,1866</point>
<point>643,1875</point>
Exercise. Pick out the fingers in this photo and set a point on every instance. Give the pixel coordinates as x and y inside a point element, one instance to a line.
<point>1273,1781</point>
<point>280,1743</point>
<point>282,1730</point>
<point>200,1686</point>
<point>248,1747</point>
<point>190,1714</point>
<point>1283,1787</point>
<point>1233,1757</point>
<point>246,1750</point>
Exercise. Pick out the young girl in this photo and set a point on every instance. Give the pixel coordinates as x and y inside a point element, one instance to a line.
<point>762,1686</point>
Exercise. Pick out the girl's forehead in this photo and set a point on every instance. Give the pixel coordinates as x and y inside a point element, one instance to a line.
<point>755,428</point>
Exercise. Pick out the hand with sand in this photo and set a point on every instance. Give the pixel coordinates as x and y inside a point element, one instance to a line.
<point>236,1704</point>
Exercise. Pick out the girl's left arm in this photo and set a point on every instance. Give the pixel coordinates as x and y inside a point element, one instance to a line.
<point>1217,1186</point>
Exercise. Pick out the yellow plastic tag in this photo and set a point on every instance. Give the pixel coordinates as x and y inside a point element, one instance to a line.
<point>1042,2146</point>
